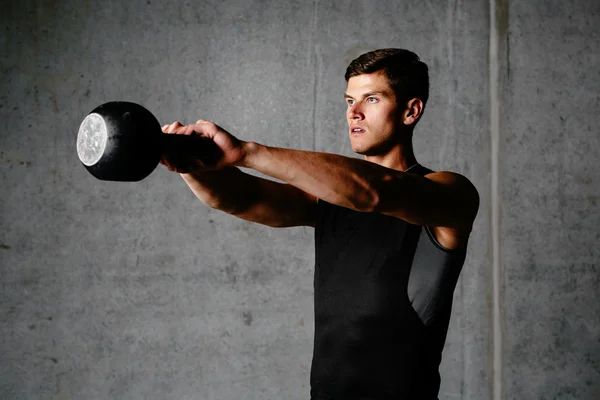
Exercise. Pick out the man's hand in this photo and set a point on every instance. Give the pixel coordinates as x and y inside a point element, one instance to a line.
<point>232,151</point>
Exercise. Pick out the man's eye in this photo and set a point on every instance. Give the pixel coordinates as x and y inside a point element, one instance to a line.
<point>372,100</point>
<point>350,102</point>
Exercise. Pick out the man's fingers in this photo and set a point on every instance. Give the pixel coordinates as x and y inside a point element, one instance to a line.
<point>201,127</point>
<point>175,127</point>
<point>205,128</point>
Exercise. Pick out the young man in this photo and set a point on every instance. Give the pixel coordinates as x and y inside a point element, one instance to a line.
<point>390,234</point>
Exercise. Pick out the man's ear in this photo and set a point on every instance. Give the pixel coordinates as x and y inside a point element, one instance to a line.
<point>413,111</point>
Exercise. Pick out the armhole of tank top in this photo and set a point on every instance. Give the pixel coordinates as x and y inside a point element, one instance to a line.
<point>425,171</point>
<point>438,245</point>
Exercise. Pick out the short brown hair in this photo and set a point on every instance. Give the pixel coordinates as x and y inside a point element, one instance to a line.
<point>407,74</point>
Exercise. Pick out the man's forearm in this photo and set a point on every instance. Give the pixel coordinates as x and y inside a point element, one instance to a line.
<point>228,189</point>
<point>345,181</point>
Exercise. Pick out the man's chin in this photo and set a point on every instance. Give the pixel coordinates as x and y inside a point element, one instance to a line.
<point>372,149</point>
<point>358,150</point>
<point>366,151</point>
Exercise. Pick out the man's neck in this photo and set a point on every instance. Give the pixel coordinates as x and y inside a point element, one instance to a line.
<point>401,157</point>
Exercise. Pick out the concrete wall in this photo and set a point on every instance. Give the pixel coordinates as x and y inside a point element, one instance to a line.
<point>130,291</point>
<point>550,223</point>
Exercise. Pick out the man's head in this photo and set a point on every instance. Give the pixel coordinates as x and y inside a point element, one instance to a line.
<point>407,75</point>
<point>386,95</point>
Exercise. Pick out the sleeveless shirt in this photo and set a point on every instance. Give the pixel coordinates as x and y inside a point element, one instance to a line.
<point>383,293</point>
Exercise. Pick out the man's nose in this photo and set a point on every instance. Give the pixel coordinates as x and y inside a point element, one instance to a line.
<point>355,112</point>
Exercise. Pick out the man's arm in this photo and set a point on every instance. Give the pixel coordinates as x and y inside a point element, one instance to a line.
<point>232,191</point>
<point>253,198</point>
<point>442,200</point>
<point>445,201</point>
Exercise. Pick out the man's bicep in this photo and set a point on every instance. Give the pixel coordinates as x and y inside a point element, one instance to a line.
<point>439,199</point>
<point>280,205</point>
<point>456,197</point>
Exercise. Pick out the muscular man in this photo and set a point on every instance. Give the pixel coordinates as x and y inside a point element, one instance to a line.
<point>390,235</point>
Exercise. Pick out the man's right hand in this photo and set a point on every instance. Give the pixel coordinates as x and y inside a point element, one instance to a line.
<point>231,148</point>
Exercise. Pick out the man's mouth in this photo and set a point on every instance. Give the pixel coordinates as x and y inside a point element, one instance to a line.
<point>356,130</point>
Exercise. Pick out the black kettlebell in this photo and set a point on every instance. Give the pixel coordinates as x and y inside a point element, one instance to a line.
<point>123,141</point>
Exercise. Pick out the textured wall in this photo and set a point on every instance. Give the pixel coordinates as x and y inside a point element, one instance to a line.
<point>550,200</point>
<point>127,291</point>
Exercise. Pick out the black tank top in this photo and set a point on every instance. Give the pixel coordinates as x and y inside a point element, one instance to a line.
<point>383,295</point>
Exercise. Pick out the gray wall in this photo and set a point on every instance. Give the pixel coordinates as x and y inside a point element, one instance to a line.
<point>550,150</point>
<point>131,291</point>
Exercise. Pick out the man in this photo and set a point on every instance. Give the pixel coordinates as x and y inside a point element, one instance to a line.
<point>390,234</point>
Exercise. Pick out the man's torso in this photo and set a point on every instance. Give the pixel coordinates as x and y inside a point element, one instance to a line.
<point>383,293</point>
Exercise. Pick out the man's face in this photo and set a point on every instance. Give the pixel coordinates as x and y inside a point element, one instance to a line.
<point>373,115</point>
